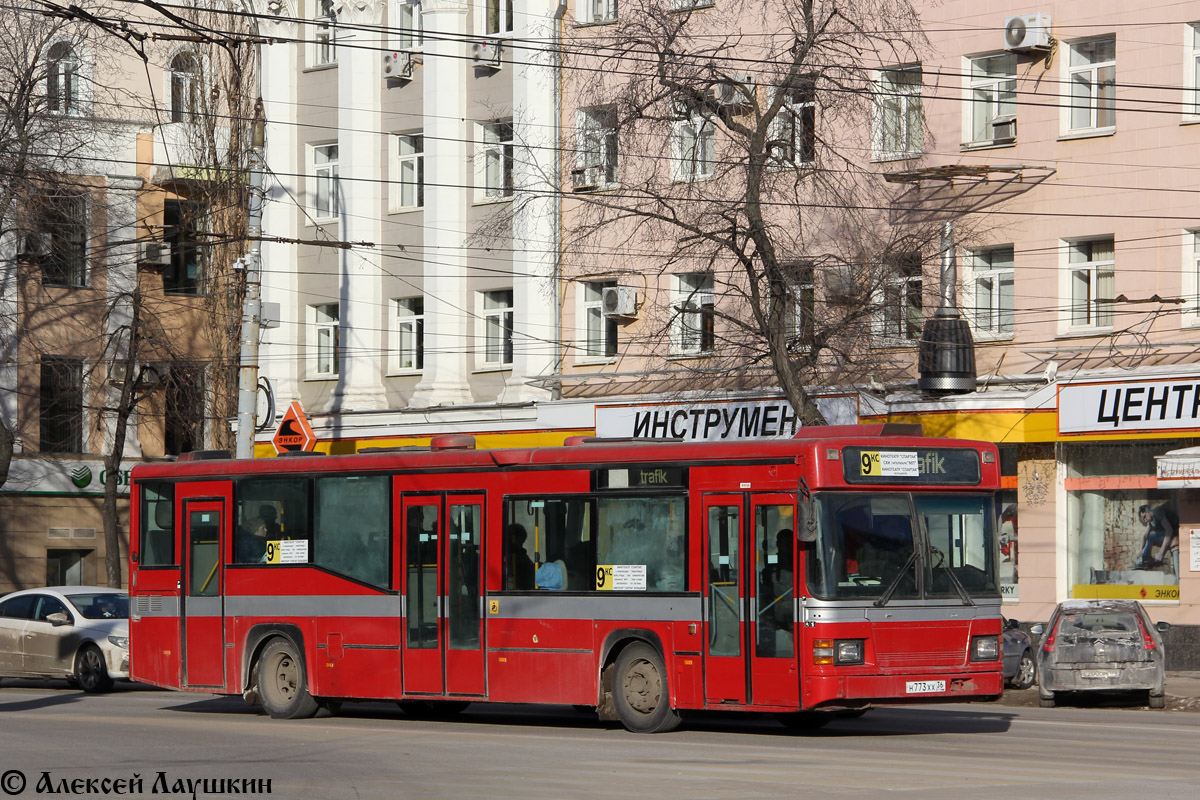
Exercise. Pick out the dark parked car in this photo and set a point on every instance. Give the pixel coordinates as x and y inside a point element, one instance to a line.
<point>1020,669</point>
<point>1101,646</point>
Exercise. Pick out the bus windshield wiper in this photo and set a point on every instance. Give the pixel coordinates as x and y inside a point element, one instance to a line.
<point>958,587</point>
<point>886,597</point>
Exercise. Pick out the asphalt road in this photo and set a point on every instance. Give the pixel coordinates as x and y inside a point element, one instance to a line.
<point>52,733</point>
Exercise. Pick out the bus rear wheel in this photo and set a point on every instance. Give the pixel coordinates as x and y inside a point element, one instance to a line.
<point>282,682</point>
<point>641,693</point>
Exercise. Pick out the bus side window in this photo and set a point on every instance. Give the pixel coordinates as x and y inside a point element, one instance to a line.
<point>158,526</point>
<point>268,510</point>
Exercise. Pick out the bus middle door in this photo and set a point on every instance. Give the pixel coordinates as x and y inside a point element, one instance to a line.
<point>443,638</point>
<point>202,608</point>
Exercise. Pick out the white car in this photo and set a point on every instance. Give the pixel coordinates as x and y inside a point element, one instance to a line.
<point>80,633</point>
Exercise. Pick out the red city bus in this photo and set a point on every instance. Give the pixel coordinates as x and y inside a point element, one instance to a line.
<point>810,577</point>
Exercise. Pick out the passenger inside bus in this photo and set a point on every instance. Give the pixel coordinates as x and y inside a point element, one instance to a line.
<point>252,547</point>
<point>520,566</point>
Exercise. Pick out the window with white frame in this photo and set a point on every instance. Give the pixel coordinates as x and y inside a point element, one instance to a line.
<point>326,324</point>
<point>599,331</point>
<point>1191,103</point>
<point>597,11</point>
<point>408,175</point>
<point>408,29</point>
<point>793,139</point>
<point>692,149</point>
<point>498,17</point>
<point>410,334</point>
<point>898,128</point>
<point>694,328</point>
<point>323,49</point>
<point>901,316</point>
<point>1092,68</point>
<point>1191,277</point>
<point>804,303</point>
<point>497,151</point>
<point>685,5</point>
<point>991,284</point>
<point>596,147</point>
<point>185,78</point>
<point>1090,272</point>
<point>64,85</point>
<point>497,327</point>
<point>993,99</point>
<point>323,181</point>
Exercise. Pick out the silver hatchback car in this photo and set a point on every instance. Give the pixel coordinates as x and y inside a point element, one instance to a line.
<point>1101,646</point>
<point>80,633</point>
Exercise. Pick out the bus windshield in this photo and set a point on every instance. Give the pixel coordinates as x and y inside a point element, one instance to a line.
<point>904,546</point>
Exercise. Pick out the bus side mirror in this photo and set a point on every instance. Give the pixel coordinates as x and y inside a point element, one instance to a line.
<point>806,521</point>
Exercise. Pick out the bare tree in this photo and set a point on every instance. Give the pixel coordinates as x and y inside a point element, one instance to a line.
<point>737,145</point>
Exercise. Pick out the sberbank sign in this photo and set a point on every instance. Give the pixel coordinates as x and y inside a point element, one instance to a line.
<point>53,476</point>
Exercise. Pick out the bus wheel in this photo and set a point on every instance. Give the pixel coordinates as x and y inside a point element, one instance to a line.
<point>90,671</point>
<point>282,684</point>
<point>806,720</point>
<point>640,691</point>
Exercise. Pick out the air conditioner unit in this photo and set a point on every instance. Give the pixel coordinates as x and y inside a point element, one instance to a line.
<point>34,245</point>
<point>398,66</point>
<point>618,301</point>
<point>583,179</point>
<point>739,92</point>
<point>1004,129</point>
<point>154,254</point>
<point>703,301</point>
<point>1027,33</point>
<point>117,374</point>
<point>681,108</point>
<point>487,54</point>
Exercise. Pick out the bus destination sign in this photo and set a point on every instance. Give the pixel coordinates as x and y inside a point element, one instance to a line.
<point>911,465</point>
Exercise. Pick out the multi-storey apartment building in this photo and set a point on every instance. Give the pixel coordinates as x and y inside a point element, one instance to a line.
<point>435,163</point>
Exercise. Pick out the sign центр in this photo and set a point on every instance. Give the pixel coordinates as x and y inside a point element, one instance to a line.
<point>1129,406</point>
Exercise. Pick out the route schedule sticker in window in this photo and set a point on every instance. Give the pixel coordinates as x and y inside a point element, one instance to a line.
<point>287,551</point>
<point>889,463</point>
<point>621,577</point>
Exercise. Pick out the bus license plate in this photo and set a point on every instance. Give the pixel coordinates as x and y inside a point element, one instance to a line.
<point>924,687</point>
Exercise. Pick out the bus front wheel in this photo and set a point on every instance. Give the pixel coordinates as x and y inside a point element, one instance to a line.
<point>640,691</point>
<point>282,682</point>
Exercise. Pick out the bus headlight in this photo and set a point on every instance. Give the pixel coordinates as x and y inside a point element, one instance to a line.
<point>985,648</point>
<point>849,651</point>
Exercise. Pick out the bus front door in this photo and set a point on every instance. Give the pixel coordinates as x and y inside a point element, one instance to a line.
<point>202,609</point>
<point>750,656</point>
<point>443,637</point>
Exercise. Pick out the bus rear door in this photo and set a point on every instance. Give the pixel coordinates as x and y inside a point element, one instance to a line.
<point>750,654</point>
<point>443,637</point>
<point>202,608</point>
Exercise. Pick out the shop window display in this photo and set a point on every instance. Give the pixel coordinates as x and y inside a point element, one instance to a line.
<point>1122,533</point>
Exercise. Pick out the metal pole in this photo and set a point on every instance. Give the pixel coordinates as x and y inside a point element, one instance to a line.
<point>251,305</point>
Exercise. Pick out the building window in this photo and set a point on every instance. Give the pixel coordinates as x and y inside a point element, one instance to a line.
<point>1191,99</point>
<point>1118,535</point>
<point>991,282</point>
<point>498,160</point>
<point>597,11</point>
<point>498,16</point>
<point>408,27</point>
<point>324,182</point>
<point>1090,264</point>
<point>1092,65</point>
<point>595,147</point>
<point>59,241</point>
<point>182,234</point>
<point>408,187</point>
<point>600,332</point>
<point>993,99</point>
<point>324,47</point>
<point>185,77</point>
<point>327,337</point>
<point>695,318</point>
<point>1191,277</point>
<point>692,143</point>
<point>898,129</point>
<point>61,415</point>
<point>184,410</point>
<point>687,5</point>
<point>63,80</point>
<point>902,298</point>
<point>498,327</point>
<point>410,334</point>
<point>793,138</point>
<point>804,303</point>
